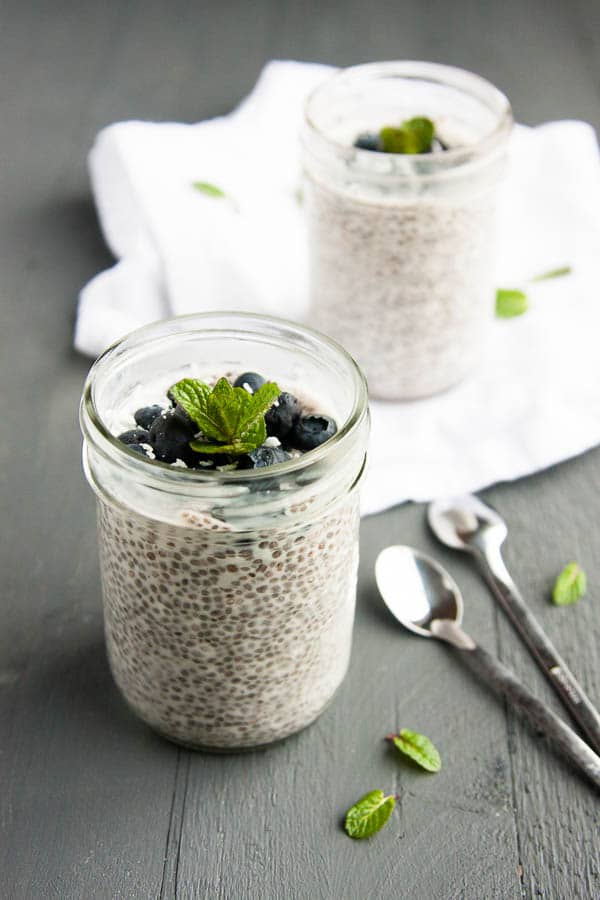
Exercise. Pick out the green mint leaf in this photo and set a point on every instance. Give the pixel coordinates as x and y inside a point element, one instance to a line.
<point>256,433</point>
<point>224,409</point>
<point>510,303</point>
<point>419,748</point>
<point>369,815</point>
<point>412,136</point>
<point>230,419</point>
<point>211,190</point>
<point>208,428</point>
<point>190,394</point>
<point>553,273</point>
<point>233,449</point>
<point>257,404</point>
<point>193,396</point>
<point>251,439</point>
<point>570,585</point>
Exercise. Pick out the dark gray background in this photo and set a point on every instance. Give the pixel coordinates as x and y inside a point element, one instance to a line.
<point>92,804</point>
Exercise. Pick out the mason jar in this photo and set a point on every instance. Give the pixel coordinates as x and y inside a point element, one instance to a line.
<point>402,246</point>
<point>228,595</point>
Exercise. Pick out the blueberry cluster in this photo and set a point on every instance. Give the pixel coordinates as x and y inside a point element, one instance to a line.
<point>165,434</point>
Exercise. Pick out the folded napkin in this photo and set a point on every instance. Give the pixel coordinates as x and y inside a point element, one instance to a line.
<point>534,401</point>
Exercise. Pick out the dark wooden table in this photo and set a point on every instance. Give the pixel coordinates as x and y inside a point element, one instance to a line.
<point>92,804</point>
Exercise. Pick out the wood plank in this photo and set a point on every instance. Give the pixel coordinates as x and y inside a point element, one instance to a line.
<point>75,798</point>
<point>278,813</point>
<point>549,519</point>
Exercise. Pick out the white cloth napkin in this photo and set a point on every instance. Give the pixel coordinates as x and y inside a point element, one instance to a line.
<point>534,401</point>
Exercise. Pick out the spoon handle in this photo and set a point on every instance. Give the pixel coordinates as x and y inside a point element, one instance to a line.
<point>540,715</point>
<point>542,649</point>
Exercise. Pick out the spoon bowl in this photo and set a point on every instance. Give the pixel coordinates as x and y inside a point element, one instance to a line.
<point>416,589</point>
<point>466,523</point>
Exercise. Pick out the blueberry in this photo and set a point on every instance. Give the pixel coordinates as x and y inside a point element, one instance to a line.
<point>250,380</point>
<point>312,431</point>
<point>138,448</point>
<point>145,416</point>
<point>368,141</point>
<point>170,438</point>
<point>186,420</point>
<point>283,415</point>
<point>135,436</point>
<point>263,457</point>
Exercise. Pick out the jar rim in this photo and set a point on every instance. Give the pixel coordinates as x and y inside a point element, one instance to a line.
<point>451,76</point>
<point>95,429</point>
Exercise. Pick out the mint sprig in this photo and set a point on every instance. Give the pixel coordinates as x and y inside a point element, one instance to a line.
<point>369,814</point>
<point>418,747</point>
<point>412,136</point>
<point>570,586</point>
<point>230,419</point>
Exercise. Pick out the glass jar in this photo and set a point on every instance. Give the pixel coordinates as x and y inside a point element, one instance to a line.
<point>402,246</point>
<point>228,595</point>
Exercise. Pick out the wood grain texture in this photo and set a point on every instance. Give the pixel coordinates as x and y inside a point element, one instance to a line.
<point>281,824</point>
<point>559,817</point>
<point>91,803</point>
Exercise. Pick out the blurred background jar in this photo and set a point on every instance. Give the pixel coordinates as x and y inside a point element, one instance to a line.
<point>402,245</point>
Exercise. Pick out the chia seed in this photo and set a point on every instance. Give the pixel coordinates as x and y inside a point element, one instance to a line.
<point>406,287</point>
<point>258,657</point>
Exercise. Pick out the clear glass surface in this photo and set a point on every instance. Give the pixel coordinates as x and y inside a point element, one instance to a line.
<point>228,596</point>
<point>402,246</point>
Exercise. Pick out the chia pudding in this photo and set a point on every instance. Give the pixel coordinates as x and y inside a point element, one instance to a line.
<point>402,244</point>
<point>228,592</point>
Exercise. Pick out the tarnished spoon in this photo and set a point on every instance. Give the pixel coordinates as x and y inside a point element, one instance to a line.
<point>466,523</point>
<point>422,596</point>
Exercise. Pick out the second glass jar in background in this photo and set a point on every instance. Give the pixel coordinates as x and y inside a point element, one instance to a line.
<point>402,246</point>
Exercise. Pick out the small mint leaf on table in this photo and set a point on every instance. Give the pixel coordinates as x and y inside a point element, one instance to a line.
<point>211,190</point>
<point>510,303</point>
<point>412,136</point>
<point>418,747</point>
<point>369,814</point>
<point>553,273</point>
<point>570,585</point>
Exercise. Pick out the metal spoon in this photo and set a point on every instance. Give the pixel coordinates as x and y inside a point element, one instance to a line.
<point>422,596</point>
<point>466,523</point>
